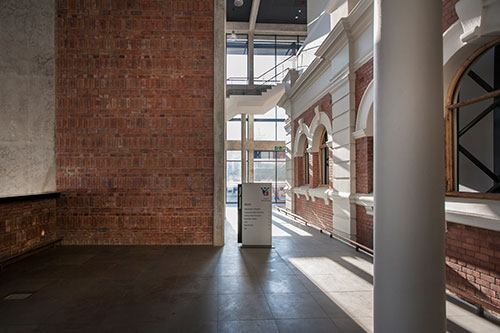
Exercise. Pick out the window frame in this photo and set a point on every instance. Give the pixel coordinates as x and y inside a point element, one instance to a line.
<point>451,146</point>
<point>324,162</point>
<point>305,163</point>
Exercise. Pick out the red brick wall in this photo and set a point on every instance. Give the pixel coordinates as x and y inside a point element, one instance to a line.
<point>299,170</point>
<point>22,224</point>
<point>449,13</point>
<point>364,165</point>
<point>364,75</point>
<point>473,261</point>
<point>316,213</point>
<point>325,105</point>
<point>364,227</point>
<point>134,137</point>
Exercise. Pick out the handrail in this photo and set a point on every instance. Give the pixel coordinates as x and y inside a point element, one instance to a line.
<point>290,57</point>
<point>480,303</point>
<point>332,234</point>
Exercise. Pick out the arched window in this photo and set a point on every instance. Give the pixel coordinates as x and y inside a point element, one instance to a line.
<point>473,125</point>
<point>324,159</point>
<point>306,163</point>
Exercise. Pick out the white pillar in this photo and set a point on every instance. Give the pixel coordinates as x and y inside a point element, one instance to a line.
<point>409,167</point>
<point>243,148</point>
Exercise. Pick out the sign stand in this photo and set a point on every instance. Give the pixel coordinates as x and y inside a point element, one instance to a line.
<point>255,215</point>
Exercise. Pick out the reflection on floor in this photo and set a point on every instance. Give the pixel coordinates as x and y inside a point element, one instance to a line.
<point>307,283</point>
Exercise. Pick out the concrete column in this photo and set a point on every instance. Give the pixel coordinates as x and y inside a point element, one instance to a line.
<point>250,59</point>
<point>250,151</point>
<point>409,167</point>
<point>219,123</point>
<point>243,148</point>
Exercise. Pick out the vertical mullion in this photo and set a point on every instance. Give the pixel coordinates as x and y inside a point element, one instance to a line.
<point>496,112</point>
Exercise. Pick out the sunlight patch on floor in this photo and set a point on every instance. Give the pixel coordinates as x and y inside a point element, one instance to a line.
<point>291,227</point>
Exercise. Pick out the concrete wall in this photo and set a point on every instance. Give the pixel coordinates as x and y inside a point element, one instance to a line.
<point>27,97</point>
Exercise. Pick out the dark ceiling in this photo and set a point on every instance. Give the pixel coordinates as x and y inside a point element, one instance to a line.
<point>270,11</point>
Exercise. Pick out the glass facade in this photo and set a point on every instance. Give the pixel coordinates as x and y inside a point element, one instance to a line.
<point>270,167</point>
<point>270,126</point>
<point>234,129</point>
<point>233,175</point>
<point>273,57</point>
<point>237,59</point>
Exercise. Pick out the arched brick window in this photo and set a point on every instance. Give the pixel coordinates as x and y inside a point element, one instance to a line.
<point>324,159</point>
<point>473,124</point>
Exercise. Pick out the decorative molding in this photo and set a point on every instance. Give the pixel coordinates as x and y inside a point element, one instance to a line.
<point>359,134</point>
<point>364,111</point>
<point>320,119</point>
<point>478,18</point>
<point>302,130</point>
<point>365,200</point>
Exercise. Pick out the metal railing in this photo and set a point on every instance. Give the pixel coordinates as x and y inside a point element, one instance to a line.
<point>299,61</point>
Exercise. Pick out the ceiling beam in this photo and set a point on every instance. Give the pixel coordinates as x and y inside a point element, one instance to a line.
<point>267,28</point>
<point>253,15</point>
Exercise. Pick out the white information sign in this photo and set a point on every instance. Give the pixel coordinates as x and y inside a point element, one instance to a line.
<point>257,214</point>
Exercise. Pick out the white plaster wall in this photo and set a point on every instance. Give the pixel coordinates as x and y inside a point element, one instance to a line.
<point>27,97</point>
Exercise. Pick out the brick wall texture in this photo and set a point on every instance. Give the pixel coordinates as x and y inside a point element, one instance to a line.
<point>325,105</point>
<point>25,225</point>
<point>473,261</point>
<point>449,13</point>
<point>364,227</point>
<point>364,75</point>
<point>134,137</point>
<point>316,213</point>
<point>364,165</point>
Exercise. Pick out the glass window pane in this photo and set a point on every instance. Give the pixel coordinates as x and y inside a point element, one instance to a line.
<point>234,172</point>
<point>264,172</point>
<point>263,155</point>
<point>280,113</point>
<point>236,64</point>
<point>233,179</point>
<point>233,155</point>
<point>271,114</point>
<point>232,193</point>
<point>264,130</point>
<point>236,69</point>
<point>234,130</point>
<point>280,131</point>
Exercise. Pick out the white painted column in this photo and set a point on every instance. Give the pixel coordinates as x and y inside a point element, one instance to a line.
<point>243,148</point>
<point>409,167</point>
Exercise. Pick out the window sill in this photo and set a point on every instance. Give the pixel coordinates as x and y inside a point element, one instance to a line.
<point>480,213</point>
<point>322,192</point>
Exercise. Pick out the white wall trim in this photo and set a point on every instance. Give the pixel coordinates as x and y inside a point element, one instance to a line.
<point>478,213</point>
<point>473,212</point>
<point>302,130</point>
<point>364,111</point>
<point>320,119</point>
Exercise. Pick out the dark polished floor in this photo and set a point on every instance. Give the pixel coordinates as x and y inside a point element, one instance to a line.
<point>307,283</point>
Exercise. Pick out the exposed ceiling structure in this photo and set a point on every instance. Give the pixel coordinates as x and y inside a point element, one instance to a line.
<point>267,16</point>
